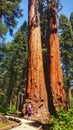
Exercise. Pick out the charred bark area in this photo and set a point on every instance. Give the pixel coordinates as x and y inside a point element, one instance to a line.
<point>57,97</point>
<point>36,90</point>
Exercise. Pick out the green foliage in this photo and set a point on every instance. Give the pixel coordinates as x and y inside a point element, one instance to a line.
<point>71,19</point>
<point>9,12</point>
<point>43,20</point>
<point>13,67</point>
<point>4,108</point>
<point>66,43</point>
<point>13,109</point>
<point>62,121</point>
<point>3,29</point>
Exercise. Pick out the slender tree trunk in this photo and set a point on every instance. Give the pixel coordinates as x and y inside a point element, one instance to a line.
<point>10,106</point>
<point>36,90</point>
<point>55,80</point>
<point>69,95</point>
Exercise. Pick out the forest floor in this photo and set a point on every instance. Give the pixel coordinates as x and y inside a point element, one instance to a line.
<point>27,125</point>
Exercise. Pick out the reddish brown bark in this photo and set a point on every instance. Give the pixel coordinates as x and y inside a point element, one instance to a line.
<point>56,89</point>
<point>36,90</point>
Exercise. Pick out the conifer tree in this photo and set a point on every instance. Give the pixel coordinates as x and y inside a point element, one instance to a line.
<point>9,11</point>
<point>66,42</point>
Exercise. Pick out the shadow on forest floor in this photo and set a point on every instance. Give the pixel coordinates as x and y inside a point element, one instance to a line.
<point>36,124</point>
<point>46,127</point>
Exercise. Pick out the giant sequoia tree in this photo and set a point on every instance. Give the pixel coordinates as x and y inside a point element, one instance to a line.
<point>36,91</point>
<point>55,80</point>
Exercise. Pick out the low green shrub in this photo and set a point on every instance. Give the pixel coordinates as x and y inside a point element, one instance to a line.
<point>4,109</point>
<point>62,121</point>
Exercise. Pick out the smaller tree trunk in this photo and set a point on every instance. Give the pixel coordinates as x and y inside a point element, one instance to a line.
<point>10,104</point>
<point>69,95</point>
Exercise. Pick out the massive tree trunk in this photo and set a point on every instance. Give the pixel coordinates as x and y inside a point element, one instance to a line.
<point>55,87</point>
<point>36,90</point>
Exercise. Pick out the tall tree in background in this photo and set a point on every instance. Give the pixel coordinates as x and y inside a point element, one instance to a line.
<point>71,19</point>
<point>9,12</point>
<point>57,97</point>
<point>13,68</point>
<point>66,41</point>
<point>36,91</point>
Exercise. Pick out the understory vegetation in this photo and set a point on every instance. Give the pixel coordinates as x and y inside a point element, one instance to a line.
<point>62,121</point>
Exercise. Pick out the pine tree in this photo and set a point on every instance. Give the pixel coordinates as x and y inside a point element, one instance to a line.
<point>66,41</point>
<point>71,19</point>
<point>13,66</point>
<point>9,11</point>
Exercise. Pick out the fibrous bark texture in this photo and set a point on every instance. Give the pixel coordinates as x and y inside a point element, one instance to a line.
<point>36,90</point>
<point>55,80</point>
